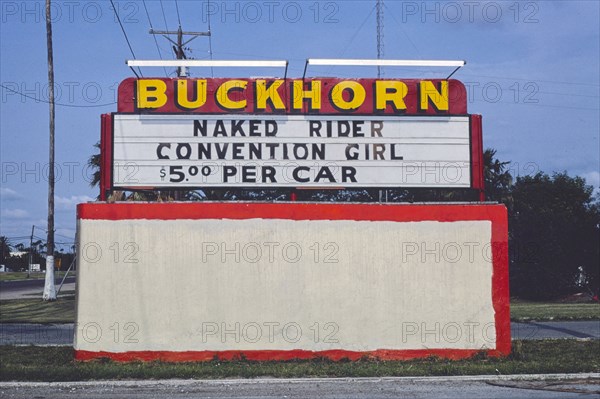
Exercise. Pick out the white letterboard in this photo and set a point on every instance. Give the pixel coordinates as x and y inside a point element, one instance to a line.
<point>192,151</point>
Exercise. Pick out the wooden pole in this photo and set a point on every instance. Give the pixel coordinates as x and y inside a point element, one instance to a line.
<point>49,287</point>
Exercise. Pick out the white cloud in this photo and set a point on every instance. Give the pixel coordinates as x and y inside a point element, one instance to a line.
<point>593,179</point>
<point>68,203</point>
<point>8,194</point>
<point>14,213</point>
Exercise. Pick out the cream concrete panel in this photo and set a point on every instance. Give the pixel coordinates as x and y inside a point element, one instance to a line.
<point>192,285</point>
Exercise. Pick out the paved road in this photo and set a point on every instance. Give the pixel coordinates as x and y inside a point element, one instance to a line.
<point>27,288</point>
<point>62,334</point>
<point>491,387</point>
<point>30,283</point>
<point>556,329</point>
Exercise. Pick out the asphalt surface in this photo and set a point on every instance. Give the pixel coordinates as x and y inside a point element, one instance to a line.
<point>547,387</point>
<point>62,334</point>
<point>27,288</point>
<point>31,283</point>
<point>556,329</point>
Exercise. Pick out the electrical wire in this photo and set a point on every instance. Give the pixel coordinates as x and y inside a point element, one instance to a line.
<point>399,25</point>
<point>124,33</point>
<point>162,8</point>
<point>353,37</point>
<point>17,237</point>
<point>535,80</point>
<point>56,234</point>
<point>154,36</point>
<point>178,17</point>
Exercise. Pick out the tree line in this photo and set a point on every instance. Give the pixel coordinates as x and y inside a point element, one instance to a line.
<point>16,255</point>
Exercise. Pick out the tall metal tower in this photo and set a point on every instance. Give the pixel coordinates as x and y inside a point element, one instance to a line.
<point>379,7</point>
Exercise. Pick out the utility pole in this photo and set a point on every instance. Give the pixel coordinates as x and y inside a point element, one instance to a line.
<point>178,46</point>
<point>30,252</point>
<point>49,288</point>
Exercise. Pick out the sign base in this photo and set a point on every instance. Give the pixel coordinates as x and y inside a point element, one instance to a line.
<point>281,281</point>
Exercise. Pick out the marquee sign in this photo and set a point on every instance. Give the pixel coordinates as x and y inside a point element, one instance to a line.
<point>328,133</point>
<point>293,96</point>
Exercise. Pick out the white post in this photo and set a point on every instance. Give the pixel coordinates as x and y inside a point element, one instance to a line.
<point>49,286</point>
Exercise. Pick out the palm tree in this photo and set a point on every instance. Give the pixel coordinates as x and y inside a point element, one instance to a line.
<point>94,164</point>
<point>159,196</point>
<point>498,179</point>
<point>38,246</point>
<point>5,248</point>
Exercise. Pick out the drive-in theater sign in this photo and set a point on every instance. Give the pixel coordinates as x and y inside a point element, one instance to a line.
<point>290,133</point>
<point>183,281</point>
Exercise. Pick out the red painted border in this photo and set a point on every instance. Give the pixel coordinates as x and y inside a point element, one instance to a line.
<point>477,165</point>
<point>279,355</point>
<point>105,155</point>
<point>292,211</point>
<point>500,286</point>
<point>318,211</point>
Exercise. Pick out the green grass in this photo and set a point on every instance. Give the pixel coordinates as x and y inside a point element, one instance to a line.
<point>530,311</point>
<point>63,293</point>
<point>11,276</point>
<point>30,363</point>
<point>19,276</point>
<point>34,310</point>
<point>38,311</point>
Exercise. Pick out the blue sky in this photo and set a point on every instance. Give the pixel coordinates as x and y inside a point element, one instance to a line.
<point>533,71</point>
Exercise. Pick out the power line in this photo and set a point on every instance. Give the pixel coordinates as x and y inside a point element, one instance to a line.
<point>178,46</point>
<point>41,239</point>
<point>535,80</point>
<point>354,35</point>
<point>162,8</point>
<point>124,33</point>
<point>177,8</point>
<point>61,235</point>
<point>17,237</point>
<point>153,36</point>
<point>568,94</point>
<point>357,31</point>
<point>539,105</point>
<point>399,25</point>
<point>62,105</point>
